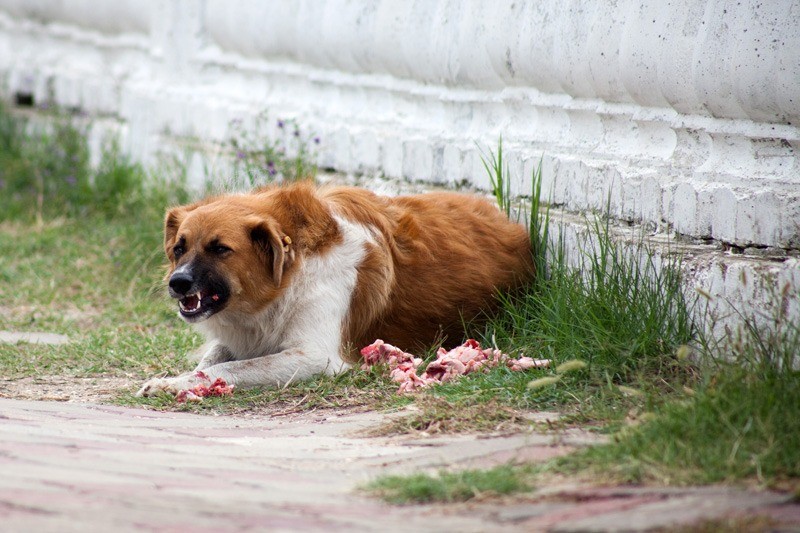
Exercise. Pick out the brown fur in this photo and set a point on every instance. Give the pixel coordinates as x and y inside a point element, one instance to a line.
<point>445,256</point>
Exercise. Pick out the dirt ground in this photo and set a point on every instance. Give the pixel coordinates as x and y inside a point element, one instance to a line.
<point>65,389</point>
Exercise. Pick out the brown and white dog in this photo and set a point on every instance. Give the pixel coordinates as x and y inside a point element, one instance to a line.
<point>290,281</point>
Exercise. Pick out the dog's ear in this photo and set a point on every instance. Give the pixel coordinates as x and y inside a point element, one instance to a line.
<point>171,224</point>
<point>274,246</point>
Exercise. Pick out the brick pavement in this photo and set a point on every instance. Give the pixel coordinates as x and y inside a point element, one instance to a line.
<point>83,467</point>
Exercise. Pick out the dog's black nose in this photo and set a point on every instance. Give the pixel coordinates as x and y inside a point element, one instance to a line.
<point>180,283</point>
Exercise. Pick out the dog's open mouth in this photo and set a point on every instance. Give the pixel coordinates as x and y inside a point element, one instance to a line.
<point>198,303</point>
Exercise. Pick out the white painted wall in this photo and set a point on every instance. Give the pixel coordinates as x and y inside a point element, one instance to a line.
<point>682,114</point>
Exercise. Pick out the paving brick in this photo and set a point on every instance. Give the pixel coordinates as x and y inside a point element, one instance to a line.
<point>657,511</point>
<point>70,466</point>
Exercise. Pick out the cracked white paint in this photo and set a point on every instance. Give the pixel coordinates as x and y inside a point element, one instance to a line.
<point>682,115</point>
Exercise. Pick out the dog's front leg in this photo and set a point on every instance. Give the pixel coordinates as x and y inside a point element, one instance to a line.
<point>275,370</point>
<point>214,355</point>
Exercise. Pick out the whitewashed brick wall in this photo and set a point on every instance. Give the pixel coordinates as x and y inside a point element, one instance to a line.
<point>685,114</point>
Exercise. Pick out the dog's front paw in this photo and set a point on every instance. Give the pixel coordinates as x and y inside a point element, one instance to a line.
<point>172,386</point>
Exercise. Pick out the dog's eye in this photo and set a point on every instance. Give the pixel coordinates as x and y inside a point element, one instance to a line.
<point>219,249</point>
<point>178,251</point>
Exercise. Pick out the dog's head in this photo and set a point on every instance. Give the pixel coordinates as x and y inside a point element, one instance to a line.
<point>223,256</point>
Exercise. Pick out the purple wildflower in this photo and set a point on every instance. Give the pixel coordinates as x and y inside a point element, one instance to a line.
<point>273,171</point>
<point>71,180</point>
<point>281,124</point>
<point>297,133</point>
<point>316,140</point>
<point>241,155</point>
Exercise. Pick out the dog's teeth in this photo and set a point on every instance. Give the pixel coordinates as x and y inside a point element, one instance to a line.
<point>195,302</point>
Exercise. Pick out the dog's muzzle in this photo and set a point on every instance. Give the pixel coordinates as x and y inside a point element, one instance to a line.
<point>197,297</point>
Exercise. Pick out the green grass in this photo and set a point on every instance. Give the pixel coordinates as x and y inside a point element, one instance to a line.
<point>81,249</point>
<point>623,315</point>
<point>351,389</point>
<point>96,281</point>
<point>81,255</point>
<point>618,307</point>
<point>449,486</point>
<point>730,413</point>
<point>741,423</point>
<point>499,178</point>
<point>45,174</point>
<point>433,415</point>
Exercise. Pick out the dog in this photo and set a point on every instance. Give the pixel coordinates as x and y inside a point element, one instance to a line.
<point>288,282</point>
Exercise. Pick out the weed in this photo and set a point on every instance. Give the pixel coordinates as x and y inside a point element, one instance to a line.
<point>91,265</point>
<point>539,226</point>
<point>449,486</point>
<point>538,222</point>
<point>499,178</point>
<point>118,184</point>
<point>45,174</point>
<point>434,414</point>
<point>346,390</point>
<point>741,422</point>
<point>618,326</point>
<point>261,157</point>
<point>621,310</point>
<point>43,169</point>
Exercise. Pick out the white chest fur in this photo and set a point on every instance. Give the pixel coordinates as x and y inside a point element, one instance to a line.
<point>310,313</point>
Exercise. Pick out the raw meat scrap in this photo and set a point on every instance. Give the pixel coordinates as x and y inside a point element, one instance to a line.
<point>448,365</point>
<point>196,394</point>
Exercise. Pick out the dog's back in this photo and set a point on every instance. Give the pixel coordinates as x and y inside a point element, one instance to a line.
<point>439,259</point>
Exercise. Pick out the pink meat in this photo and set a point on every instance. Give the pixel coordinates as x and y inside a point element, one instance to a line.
<point>196,394</point>
<point>448,365</point>
<point>187,396</point>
